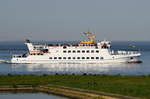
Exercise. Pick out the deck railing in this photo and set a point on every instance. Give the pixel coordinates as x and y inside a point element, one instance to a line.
<point>124,52</point>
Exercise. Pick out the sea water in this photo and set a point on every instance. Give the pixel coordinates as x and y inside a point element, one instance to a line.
<point>28,96</point>
<point>9,48</point>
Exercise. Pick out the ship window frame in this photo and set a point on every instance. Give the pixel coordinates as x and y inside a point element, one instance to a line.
<point>83,57</point>
<point>73,51</point>
<point>78,57</point>
<point>73,57</point>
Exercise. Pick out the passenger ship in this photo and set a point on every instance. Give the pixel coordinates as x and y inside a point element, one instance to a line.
<point>84,52</point>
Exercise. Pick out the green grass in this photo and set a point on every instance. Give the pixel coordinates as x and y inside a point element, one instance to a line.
<point>138,86</point>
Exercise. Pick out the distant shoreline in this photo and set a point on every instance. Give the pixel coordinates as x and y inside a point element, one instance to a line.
<point>60,41</point>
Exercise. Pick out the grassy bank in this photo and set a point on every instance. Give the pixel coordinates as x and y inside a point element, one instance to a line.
<point>138,86</point>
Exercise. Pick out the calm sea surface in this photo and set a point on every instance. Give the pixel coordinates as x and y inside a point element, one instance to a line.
<point>28,96</point>
<point>9,48</point>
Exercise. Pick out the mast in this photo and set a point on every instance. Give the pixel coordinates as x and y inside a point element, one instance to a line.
<point>91,38</point>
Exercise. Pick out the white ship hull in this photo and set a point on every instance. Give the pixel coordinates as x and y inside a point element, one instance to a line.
<point>36,60</point>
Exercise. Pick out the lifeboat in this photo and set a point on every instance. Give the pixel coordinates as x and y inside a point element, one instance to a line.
<point>87,42</point>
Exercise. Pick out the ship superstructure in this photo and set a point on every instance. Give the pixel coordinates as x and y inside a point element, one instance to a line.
<point>84,52</point>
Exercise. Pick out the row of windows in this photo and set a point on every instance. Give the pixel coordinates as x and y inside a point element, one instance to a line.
<point>36,54</point>
<point>83,51</point>
<point>76,58</point>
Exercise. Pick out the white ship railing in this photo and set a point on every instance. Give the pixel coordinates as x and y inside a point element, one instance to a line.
<point>19,55</point>
<point>124,52</point>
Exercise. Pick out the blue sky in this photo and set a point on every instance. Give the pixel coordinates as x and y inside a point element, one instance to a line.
<point>115,20</point>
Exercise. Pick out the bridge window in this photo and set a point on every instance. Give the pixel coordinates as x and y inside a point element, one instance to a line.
<point>64,47</point>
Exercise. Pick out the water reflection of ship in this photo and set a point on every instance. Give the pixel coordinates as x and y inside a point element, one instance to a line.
<point>74,68</point>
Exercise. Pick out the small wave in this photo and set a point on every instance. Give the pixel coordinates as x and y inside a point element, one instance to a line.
<point>4,61</point>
